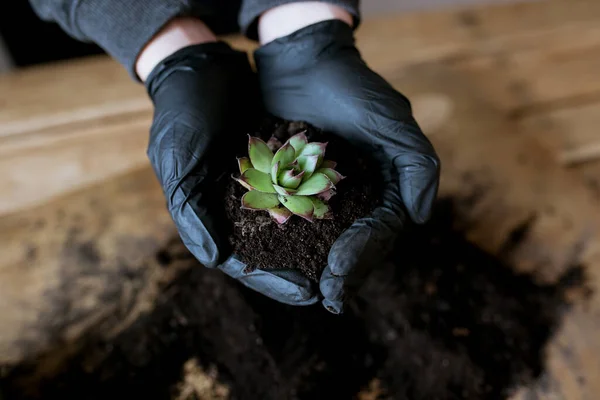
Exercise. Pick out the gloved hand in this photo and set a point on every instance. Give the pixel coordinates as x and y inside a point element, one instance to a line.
<point>316,75</point>
<point>203,94</point>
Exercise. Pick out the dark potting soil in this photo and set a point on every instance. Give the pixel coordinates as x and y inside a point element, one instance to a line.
<point>441,320</point>
<point>300,244</point>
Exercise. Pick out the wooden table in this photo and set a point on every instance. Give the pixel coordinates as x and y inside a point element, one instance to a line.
<point>510,96</point>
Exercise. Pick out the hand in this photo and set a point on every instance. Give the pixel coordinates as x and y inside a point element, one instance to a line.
<point>202,93</point>
<point>316,75</point>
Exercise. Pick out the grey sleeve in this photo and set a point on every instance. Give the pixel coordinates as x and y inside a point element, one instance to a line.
<point>251,10</point>
<point>120,27</point>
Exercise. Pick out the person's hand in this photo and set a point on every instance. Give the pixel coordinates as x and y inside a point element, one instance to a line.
<point>202,95</point>
<point>316,75</point>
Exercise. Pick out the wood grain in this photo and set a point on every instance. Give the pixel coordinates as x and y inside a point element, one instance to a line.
<point>504,92</point>
<point>97,86</point>
<point>81,260</point>
<point>531,81</point>
<point>41,166</point>
<point>571,132</point>
<point>522,55</point>
<point>63,93</point>
<point>71,254</point>
<point>511,185</point>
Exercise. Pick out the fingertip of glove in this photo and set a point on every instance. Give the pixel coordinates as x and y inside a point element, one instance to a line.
<point>420,216</point>
<point>332,289</point>
<point>334,307</point>
<point>207,252</point>
<point>421,206</point>
<point>419,187</point>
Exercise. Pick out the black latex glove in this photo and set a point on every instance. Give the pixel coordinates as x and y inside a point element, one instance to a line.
<point>203,96</point>
<point>317,75</point>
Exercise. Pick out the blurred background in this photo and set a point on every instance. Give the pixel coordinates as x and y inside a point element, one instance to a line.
<point>497,298</point>
<point>18,48</point>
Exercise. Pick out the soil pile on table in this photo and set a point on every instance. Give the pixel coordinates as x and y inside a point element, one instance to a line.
<point>441,320</point>
<point>299,244</point>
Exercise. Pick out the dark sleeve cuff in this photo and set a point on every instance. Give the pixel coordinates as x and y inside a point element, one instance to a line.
<point>122,28</point>
<point>252,9</point>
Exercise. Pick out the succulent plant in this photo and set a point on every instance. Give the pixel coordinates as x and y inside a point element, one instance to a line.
<point>293,178</point>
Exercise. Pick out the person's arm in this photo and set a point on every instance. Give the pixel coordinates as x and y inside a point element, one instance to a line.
<point>296,14</point>
<point>288,18</point>
<point>176,34</point>
<point>121,28</point>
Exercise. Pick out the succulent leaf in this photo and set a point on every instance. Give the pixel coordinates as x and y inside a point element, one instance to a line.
<point>299,205</point>
<point>322,210</point>
<point>284,191</point>
<point>326,195</point>
<point>280,214</point>
<point>258,180</point>
<point>244,184</point>
<point>285,155</point>
<point>298,141</point>
<point>314,149</point>
<point>254,200</point>
<point>328,164</point>
<point>317,183</point>
<point>274,144</point>
<point>274,172</point>
<point>260,154</point>
<point>291,180</point>
<point>308,164</point>
<point>244,164</point>
<point>332,174</point>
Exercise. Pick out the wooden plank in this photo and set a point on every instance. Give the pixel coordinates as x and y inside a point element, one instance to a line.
<point>67,92</point>
<point>39,167</point>
<point>531,81</point>
<point>470,31</point>
<point>76,162</point>
<point>512,186</point>
<point>571,132</point>
<point>499,158</point>
<point>591,175</point>
<point>549,80</point>
<point>505,180</point>
<point>503,47</point>
<point>486,157</point>
<point>97,87</point>
<point>520,19</point>
<point>64,264</point>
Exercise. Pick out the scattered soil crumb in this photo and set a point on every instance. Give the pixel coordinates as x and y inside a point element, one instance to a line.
<point>199,385</point>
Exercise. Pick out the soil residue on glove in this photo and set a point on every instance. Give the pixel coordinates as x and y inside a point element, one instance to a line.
<point>299,244</point>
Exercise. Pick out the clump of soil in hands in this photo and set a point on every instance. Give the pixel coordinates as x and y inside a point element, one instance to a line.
<point>300,244</point>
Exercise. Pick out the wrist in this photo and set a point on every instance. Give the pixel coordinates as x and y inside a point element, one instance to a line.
<point>175,35</point>
<point>285,19</point>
